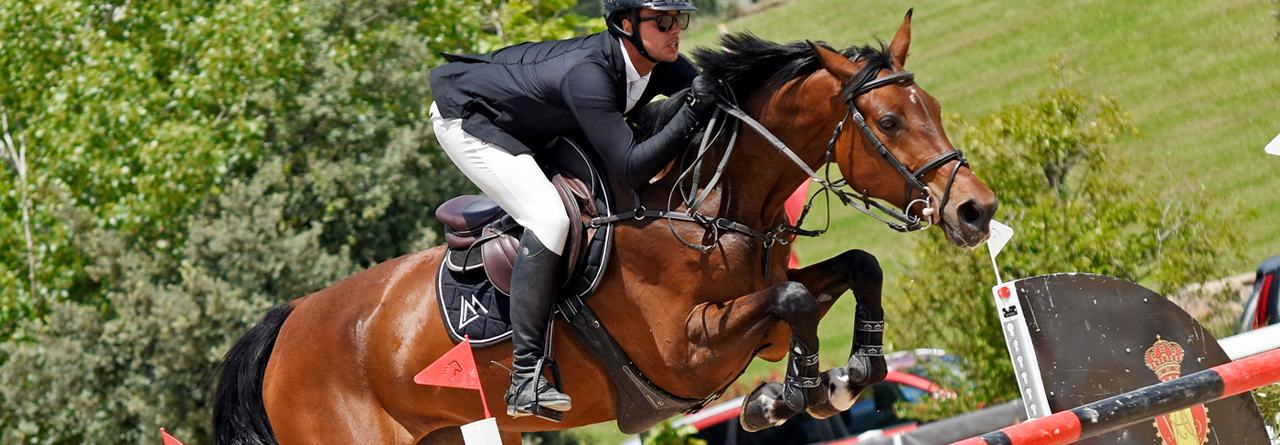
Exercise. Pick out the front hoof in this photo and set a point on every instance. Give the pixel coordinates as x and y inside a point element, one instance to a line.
<point>863,371</point>
<point>835,384</point>
<point>765,408</point>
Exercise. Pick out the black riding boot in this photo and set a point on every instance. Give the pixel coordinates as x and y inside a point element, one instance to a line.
<point>532,286</point>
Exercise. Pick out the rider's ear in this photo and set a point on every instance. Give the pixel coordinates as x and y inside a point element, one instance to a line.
<point>839,66</point>
<point>901,41</point>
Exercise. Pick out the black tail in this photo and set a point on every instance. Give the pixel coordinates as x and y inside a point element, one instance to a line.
<point>239,417</point>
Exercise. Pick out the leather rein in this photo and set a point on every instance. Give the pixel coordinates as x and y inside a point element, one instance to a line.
<point>900,220</point>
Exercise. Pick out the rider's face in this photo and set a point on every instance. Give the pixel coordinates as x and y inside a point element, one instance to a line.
<point>662,46</point>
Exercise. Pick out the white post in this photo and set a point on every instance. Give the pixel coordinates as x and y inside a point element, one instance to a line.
<point>1017,337</point>
<point>482,432</point>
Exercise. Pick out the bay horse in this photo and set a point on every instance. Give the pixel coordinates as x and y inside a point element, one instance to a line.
<point>337,366</point>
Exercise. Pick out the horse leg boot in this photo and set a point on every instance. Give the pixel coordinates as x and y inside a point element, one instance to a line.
<point>532,286</point>
<point>772,404</point>
<point>860,272</point>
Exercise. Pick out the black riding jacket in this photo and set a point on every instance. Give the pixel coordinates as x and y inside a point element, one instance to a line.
<point>523,96</point>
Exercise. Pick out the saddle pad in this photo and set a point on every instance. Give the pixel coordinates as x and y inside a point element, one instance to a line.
<point>472,307</point>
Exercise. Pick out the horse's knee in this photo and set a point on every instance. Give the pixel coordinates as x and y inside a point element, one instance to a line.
<point>793,301</point>
<point>863,266</point>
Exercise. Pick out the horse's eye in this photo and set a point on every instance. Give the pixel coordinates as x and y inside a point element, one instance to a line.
<point>888,123</point>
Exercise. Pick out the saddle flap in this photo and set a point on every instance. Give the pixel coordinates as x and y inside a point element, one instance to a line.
<point>499,256</point>
<point>577,237</point>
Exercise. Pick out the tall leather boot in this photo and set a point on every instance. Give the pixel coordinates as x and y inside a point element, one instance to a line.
<point>532,286</point>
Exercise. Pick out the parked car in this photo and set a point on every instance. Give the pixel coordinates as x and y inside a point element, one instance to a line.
<point>1263,307</point>
<point>871,415</point>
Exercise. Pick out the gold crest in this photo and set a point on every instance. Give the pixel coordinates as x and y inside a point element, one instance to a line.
<point>1184,427</point>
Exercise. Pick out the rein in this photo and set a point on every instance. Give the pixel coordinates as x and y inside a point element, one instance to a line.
<point>900,220</point>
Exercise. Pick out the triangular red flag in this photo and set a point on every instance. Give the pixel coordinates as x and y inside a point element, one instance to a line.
<point>168,440</point>
<point>455,369</point>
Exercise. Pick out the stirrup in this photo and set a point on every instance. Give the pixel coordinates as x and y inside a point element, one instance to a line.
<point>534,407</point>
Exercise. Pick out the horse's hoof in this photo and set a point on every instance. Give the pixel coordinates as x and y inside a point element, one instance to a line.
<point>765,408</point>
<point>864,371</point>
<point>835,385</point>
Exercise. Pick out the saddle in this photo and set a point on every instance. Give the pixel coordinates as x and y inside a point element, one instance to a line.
<point>483,241</point>
<point>475,222</point>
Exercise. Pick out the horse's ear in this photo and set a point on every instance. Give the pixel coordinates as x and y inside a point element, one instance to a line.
<point>838,65</point>
<point>901,41</point>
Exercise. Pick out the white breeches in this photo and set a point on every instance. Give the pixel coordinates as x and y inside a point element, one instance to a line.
<point>516,183</point>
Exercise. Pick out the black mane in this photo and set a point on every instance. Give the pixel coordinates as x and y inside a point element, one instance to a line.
<point>748,64</point>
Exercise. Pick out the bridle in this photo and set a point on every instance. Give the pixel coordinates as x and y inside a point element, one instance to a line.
<point>905,221</point>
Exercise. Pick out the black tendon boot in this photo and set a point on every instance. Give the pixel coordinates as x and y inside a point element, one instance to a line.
<point>532,286</point>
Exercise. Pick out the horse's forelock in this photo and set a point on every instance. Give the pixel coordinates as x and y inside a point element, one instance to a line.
<point>875,61</point>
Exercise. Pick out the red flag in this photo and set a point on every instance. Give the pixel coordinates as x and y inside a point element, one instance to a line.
<point>168,440</point>
<point>455,369</point>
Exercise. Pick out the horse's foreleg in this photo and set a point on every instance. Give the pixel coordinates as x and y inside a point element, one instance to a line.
<point>860,272</point>
<point>773,403</point>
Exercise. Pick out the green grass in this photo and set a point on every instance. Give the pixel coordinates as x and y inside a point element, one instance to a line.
<point>1201,79</point>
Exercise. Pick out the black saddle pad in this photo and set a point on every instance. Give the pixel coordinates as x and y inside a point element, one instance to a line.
<point>472,307</point>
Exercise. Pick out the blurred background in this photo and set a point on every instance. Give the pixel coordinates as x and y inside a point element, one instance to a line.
<point>173,169</point>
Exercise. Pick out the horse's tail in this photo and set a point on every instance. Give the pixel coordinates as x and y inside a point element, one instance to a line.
<point>239,416</point>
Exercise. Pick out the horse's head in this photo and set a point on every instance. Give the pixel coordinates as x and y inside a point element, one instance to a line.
<point>900,153</point>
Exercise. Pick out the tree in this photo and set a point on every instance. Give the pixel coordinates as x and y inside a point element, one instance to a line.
<point>151,362</point>
<point>189,165</point>
<point>1075,210</point>
<point>134,114</point>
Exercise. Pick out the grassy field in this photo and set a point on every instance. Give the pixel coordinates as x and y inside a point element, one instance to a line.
<point>1201,79</point>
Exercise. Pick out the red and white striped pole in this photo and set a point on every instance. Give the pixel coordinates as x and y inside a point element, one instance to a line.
<point>1117,412</point>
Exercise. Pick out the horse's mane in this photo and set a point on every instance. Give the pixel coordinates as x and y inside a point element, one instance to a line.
<point>748,64</point>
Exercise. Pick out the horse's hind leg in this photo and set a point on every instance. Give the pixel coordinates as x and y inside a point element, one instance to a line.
<point>858,271</point>
<point>773,403</point>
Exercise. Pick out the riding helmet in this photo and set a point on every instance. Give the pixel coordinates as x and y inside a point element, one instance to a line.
<point>616,10</point>
<point>613,10</point>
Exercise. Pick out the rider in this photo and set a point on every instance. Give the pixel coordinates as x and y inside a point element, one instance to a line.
<point>492,112</point>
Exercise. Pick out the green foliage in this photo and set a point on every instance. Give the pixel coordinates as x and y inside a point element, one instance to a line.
<point>1065,193</point>
<point>1268,399</point>
<point>149,363</point>
<point>483,26</point>
<point>183,166</point>
<point>132,113</point>
<point>668,434</point>
<point>551,438</point>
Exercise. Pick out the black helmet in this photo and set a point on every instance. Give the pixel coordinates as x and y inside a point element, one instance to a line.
<point>616,10</point>
<point>612,6</point>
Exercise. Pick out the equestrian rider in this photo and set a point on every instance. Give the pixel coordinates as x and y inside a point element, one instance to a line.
<point>493,112</point>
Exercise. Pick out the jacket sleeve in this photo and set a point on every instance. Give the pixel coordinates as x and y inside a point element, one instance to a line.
<point>589,93</point>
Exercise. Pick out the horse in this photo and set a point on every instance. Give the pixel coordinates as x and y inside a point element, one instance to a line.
<point>337,366</point>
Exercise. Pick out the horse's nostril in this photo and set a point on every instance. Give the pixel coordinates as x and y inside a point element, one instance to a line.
<point>971,213</point>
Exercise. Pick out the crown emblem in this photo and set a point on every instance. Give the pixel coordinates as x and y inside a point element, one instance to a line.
<point>1184,427</point>
<point>1165,358</point>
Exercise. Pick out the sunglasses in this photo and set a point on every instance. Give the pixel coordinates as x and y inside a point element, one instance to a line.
<point>664,22</point>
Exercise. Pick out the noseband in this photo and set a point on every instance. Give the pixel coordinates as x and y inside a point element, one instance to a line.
<point>907,222</point>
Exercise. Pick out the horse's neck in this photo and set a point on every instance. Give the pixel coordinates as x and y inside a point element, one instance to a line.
<point>757,179</point>
<point>751,190</point>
